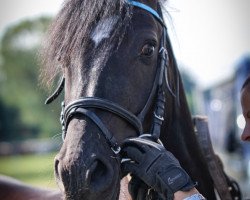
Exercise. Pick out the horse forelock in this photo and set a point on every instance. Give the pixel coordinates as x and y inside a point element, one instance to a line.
<point>79,25</point>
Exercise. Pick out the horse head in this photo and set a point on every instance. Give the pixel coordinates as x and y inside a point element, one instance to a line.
<point>119,71</point>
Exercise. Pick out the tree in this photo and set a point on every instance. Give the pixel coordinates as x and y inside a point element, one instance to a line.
<point>21,98</point>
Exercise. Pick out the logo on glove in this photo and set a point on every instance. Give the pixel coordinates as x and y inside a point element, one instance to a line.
<point>172,180</point>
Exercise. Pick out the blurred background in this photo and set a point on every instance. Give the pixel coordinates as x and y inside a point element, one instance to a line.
<point>211,40</point>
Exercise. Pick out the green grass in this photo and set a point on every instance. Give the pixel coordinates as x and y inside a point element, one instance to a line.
<point>36,170</point>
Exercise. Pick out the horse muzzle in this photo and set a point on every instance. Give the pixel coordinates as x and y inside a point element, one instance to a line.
<point>86,168</point>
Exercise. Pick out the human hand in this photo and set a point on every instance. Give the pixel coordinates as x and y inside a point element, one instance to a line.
<point>154,165</point>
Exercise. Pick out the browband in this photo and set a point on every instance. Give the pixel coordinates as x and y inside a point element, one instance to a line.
<point>149,9</point>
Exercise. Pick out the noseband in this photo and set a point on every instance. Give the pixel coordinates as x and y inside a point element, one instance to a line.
<point>82,105</point>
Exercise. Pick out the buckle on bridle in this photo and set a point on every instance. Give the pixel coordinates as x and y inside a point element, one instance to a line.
<point>116,149</point>
<point>159,117</point>
<point>163,51</point>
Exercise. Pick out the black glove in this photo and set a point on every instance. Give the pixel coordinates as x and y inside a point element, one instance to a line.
<point>156,166</point>
<point>139,190</point>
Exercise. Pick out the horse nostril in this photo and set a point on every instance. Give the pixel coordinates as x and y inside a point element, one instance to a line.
<point>58,175</point>
<point>100,175</point>
<point>56,168</point>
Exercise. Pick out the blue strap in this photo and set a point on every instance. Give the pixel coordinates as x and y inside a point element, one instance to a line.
<point>147,8</point>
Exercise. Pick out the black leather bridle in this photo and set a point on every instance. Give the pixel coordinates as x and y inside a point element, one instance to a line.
<point>82,105</point>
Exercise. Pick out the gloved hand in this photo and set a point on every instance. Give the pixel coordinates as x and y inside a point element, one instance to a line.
<point>156,166</point>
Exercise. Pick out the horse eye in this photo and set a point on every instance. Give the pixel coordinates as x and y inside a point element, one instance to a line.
<point>147,50</point>
<point>248,114</point>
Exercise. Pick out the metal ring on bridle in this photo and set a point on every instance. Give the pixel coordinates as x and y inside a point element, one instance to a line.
<point>159,117</point>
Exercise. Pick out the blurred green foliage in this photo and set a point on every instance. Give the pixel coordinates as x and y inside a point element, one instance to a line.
<point>36,170</point>
<point>22,110</point>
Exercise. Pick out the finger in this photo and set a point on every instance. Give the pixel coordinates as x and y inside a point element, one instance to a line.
<point>141,141</point>
<point>133,153</point>
<point>129,167</point>
<point>133,143</point>
<point>130,142</point>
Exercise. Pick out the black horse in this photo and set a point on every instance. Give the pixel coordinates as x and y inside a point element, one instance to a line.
<point>111,54</point>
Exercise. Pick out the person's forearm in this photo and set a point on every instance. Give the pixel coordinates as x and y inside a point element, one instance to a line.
<point>181,195</point>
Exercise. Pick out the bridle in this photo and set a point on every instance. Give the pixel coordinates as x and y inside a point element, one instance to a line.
<point>82,105</point>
